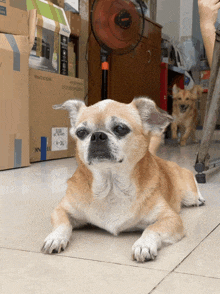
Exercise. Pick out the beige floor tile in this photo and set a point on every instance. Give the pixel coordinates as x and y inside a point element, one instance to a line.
<point>187,284</point>
<point>100,245</point>
<point>26,222</point>
<point>26,272</point>
<point>205,260</point>
<point>186,156</point>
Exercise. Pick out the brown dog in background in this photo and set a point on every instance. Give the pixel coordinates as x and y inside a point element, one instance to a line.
<point>185,112</point>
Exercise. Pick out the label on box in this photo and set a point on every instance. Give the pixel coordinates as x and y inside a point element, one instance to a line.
<point>59,139</point>
<point>3,10</point>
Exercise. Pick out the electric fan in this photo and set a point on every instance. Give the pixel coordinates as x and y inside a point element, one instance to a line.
<point>118,27</point>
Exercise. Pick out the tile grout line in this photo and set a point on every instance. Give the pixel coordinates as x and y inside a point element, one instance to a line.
<point>115,263</point>
<point>208,277</point>
<point>183,261</point>
<point>86,259</point>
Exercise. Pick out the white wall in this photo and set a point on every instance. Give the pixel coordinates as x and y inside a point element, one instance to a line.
<point>180,18</point>
<point>186,18</point>
<point>168,15</point>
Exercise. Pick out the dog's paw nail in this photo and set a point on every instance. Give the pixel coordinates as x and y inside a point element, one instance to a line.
<point>54,244</point>
<point>201,202</point>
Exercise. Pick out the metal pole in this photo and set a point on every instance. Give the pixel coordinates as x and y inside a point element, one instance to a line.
<point>105,69</point>
<point>211,115</point>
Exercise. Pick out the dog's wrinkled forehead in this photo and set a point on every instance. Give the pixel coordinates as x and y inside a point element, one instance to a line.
<point>108,112</point>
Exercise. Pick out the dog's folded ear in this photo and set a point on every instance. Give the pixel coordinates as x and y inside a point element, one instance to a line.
<point>153,118</point>
<point>73,106</point>
<point>175,89</point>
<point>197,91</point>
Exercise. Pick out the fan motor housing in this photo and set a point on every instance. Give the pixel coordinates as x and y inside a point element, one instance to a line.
<point>117,25</point>
<point>123,19</point>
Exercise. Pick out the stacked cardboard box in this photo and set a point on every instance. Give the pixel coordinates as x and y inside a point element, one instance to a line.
<point>49,128</point>
<point>27,98</point>
<point>74,20</point>
<point>14,104</point>
<point>71,8</point>
<point>50,50</point>
<point>14,97</point>
<point>13,17</point>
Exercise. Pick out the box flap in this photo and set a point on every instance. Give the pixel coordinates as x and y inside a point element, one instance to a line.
<point>14,43</point>
<point>21,4</point>
<point>50,16</point>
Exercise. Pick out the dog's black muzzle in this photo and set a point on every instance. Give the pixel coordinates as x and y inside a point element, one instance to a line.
<point>99,148</point>
<point>183,108</point>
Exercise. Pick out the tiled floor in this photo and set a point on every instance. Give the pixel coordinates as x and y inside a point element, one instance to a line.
<point>95,261</point>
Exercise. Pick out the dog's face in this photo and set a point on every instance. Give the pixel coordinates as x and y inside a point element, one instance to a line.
<point>110,132</point>
<point>185,99</point>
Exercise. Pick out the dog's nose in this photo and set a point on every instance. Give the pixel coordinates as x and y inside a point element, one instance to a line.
<point>99,137</point>
<point>182,106</point>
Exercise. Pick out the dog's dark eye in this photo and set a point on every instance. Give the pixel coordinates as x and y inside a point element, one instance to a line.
<point>179,98</point>
<point>187,98</point>
<point>81,134</point>
<point>121,130</point>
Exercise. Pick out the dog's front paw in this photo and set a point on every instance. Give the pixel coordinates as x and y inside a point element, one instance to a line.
<point>145,248</point>
<point>57,241</point>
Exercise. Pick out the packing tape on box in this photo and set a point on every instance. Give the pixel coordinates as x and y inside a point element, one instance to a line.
<point>57,27</point>
<point>17,152</point>
<point>40,25</point>
<point>39,29</point>
<point>16,52</point>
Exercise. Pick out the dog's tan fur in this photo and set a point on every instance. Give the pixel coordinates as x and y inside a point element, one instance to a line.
<point>140,192</point>
<point>188,120</point>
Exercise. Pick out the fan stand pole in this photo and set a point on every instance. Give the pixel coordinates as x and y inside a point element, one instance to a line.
<point>105,69</point>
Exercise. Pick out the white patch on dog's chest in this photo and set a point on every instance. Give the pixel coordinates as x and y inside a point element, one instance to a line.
<point>111,208</point>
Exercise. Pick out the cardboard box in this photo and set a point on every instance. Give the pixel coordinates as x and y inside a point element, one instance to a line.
<point>14,101</point>
<point>58,2</point>
<point>71,60</point>
<point>50,50</point>
<point>13,17</point>
<point>74,21</point>
<point>49,128</point>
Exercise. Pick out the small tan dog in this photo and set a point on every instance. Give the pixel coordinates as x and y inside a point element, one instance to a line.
<point>119,184</point>
<point>185,113</point>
